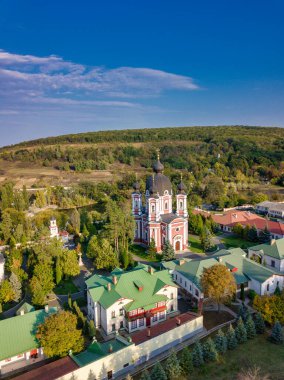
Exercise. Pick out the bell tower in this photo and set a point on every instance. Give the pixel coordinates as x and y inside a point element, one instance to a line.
<point>137,210</point>
<point>181,198</point>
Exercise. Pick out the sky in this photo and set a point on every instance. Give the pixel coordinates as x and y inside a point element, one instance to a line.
<point>75,66</point>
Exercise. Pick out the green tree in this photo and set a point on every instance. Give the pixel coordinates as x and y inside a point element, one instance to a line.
<point>186,361</point>
<point>145,375</point>
<point>172,367</point>
<point>158,372</point>
<point>241,332</point>
<point>41,283</point>
<point>209,351</point>
<point>250,327</point>
<point>40,200</point>
<point>276,335</point>
<point>231,338</point>
<point>252,234</point>
<point>152,249</point>
<point>91,329</point>
<point>265,235</point>
<point>243,312</point>
<point>6,292</point>
<point>218,284</point>
<point>220,342</point>
<point>206,239</point>
<point>59,334</point>
<point>259,324</point>
<point>16,286</point>
<point>102,253</point>
<point>75,220</point>
<point>168,252</point>
<point>58,272</point>
<point>70,264</point>
<point>6,226</point>
<point>197,355</point>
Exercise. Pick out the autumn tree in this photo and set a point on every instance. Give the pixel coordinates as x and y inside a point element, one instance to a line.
<point>218,284</point>
<point>6,292</point>
<point>59,334</point>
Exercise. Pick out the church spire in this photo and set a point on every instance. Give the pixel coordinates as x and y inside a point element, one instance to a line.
<point>158,167</point>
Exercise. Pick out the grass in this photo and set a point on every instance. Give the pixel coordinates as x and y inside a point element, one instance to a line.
<point>195,245</point>
<point>140,251</point>
<point>65,287</point>
<point>258,352</point>
<point>232,241</point>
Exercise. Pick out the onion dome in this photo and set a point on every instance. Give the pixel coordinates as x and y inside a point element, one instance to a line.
<point>181,186</point>
<point>158,167</point>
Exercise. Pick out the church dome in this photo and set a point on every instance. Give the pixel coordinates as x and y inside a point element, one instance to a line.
<point>158,167</point>
<point>181,187</point>
<point>159,183</point>
<point>136,186</point>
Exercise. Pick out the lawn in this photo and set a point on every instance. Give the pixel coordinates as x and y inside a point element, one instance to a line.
<point>195,245</point>
<point>232,241</point>
<point>139,251</point>
<point>257,352</point>
<point>65,287</point>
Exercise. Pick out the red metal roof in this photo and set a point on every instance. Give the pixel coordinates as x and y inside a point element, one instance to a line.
<point>161,328</point>
<point>50,371</point>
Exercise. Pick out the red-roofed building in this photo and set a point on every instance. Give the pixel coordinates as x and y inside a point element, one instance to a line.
<point>229,219</point>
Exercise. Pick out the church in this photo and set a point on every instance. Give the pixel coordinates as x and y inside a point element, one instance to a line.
<point>156,219</point>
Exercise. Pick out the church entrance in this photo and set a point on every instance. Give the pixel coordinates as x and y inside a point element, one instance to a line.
<point>177,248</point>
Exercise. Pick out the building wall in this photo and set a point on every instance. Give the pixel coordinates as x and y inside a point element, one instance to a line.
<point>20,357</point>
<point>133,355</point>
<point>187,285</point>
<point>279,264</point>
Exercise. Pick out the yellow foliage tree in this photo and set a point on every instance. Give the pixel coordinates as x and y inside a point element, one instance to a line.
<point>218,284</point>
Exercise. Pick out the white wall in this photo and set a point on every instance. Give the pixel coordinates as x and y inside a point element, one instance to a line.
<point>188,285</point>
<point>135,355</point>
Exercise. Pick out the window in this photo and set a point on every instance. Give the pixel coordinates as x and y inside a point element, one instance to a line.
<point>121,325</point>
<point>172,307</point>
<point>166,205</point>
<point>161,304</point>
<point>153,208</point>
<point>113,327</point>
<point>133,325</point>
<point>113,314</point>
<point>121,312</point>
<point>172,296</point>
<point>109,375</point>
<point>180,280</point>
<point>141,322</point>
<point>155,318</point>
<point>267,287</point>
<point>185,284</point>
<point>161,316</point>
<point>177,229</point>
<point>196,293</point>
<point>125,365</point>
<point>190,288</point>
<point>273,263</point>
<point>133,312</point>
<point>180,205</point>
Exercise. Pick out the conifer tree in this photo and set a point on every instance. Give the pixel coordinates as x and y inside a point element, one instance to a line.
<point>152,249</point>
<point>241,332</point>
<point>197,355</point>
<point>70,301</point>
<point>172,368</point>
<point>209,351</point>
<point>186,361</point>
<point>277,334</point>
<point>259,324</point>
<point>221,342</point>
<point>58,272</point>
<point>91,329</point>
<point>158,372</point>
<point>231,338</point>
<point>243,312</point>
<point>250,327</point>
<point>168,252</point>
<point>145,375</point>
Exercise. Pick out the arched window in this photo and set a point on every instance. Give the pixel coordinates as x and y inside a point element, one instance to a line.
<point>136,203</point>
<point>180,204</point>
<point>166,205</point>
<point>153,208</point>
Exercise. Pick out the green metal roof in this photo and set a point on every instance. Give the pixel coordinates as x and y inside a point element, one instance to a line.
<point>275,249</point>
<point>98,350</point>
<point>127,287</point>
<point>17,334</point>
<point>26,307</point>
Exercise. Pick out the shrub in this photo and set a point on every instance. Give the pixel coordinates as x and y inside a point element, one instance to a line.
<point>197,355</point>
<point>276,335</point>
<point>209,351</point>
<point>221,342</point>
<point>172,368</point>
<point>251,294</point>
<point>250,327</point>
<point>259,324</point>
<point>241,332</point>
<point>231,338</point>
<point>186,361</point>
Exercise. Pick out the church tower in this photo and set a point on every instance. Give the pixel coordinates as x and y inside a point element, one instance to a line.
<point>181,198</point>
<point>137,210</point>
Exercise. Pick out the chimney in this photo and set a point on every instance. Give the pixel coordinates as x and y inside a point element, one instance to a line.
<point>272,241</point>
<point>46,308</point>
<point>150,269</point>
<point>149,332</point>
<point>109,286</point>
<point>178,321</point>
<point>181,261</point>
<point>220,259</point>
<point>22,312</point>
<point>114,280</point>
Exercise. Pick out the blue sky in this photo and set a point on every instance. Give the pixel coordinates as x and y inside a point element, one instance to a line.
<point>74,66</point>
